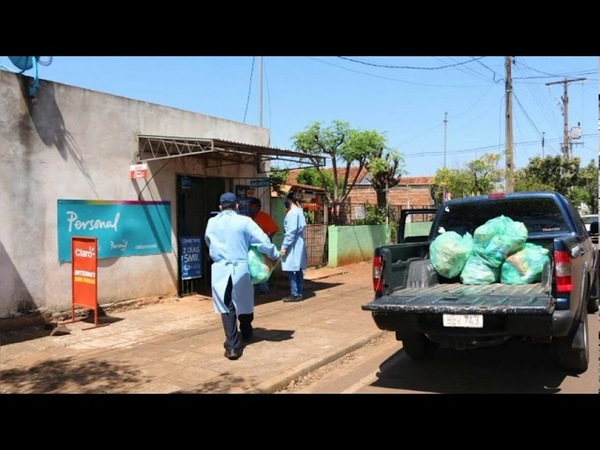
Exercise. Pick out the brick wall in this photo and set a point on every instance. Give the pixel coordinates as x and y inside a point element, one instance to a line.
<point>415,195</point>
<point>411,192</point>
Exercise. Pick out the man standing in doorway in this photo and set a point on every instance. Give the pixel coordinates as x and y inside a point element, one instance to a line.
<point>268,225</point>
<point>229,235</point>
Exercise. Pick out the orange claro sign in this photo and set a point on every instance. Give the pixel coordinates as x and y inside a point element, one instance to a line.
<point>138,171</point>
<point>84,274</point>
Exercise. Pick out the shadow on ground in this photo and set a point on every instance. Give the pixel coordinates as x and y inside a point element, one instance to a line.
<point>515,367</point>
<point>64,375</point>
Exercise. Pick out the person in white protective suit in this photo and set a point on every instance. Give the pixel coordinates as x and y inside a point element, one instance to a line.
<point>229,236</point>
<point>293,249</point>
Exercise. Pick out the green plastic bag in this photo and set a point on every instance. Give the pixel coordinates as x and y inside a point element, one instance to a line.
<point>498,238</point>
<point>259,266</point>
<point>478,271</point>
<point>449,251</point>
<point>526,265</point>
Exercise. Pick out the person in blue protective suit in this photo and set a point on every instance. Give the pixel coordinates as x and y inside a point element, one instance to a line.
<point>293,249</point>
<point>228,236</point>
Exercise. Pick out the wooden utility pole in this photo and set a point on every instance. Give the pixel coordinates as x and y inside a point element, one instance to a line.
<point>509,135</point>
<point>543,140</point>
<point>566,148</point>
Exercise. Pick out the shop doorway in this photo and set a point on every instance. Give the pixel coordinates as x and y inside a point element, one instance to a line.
<point>197,201</point>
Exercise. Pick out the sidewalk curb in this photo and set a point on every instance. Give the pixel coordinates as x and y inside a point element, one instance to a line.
<point>275,383</point>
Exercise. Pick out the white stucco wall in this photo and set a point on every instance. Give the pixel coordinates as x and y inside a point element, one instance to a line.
<point>73,143</point>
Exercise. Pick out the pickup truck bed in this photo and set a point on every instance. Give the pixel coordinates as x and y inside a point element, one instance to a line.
<point>427,310</point>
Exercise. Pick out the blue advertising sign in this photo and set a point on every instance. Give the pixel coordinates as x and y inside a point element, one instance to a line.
<point>123,228</point>
<point>190,256</point>
<point>243,193</point>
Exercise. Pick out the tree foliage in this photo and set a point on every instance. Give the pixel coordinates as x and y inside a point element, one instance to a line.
<point>311,177</point>
<point>552,173</point>
<point>386,168</point>
<point>556,173</point>
<point>345,148</point>
<point>480,176</point>
<point>278,178</point>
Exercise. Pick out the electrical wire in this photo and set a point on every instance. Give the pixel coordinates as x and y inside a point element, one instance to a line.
<point>385,78</point>
<point>488,147</point>
<point>385,66</point>
<point>469,71</point>
<point>152,177</point>
<point>268,97</point>
<point>249,89</point>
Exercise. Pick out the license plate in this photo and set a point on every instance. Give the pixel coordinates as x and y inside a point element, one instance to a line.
<point>463,320</point>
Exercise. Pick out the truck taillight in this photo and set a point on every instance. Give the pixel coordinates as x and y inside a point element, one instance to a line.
<point>562,271</point>
<point>377,275</point>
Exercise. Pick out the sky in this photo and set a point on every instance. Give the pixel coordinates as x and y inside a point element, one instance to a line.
<point>435,111</point>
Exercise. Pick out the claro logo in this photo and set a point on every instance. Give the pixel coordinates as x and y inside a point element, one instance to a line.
<point>85,253</point>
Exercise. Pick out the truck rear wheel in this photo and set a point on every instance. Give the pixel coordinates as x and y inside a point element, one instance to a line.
<point>417,346</point>
<point>573,351</point>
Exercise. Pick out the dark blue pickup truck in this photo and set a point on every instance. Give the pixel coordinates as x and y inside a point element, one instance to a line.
<point>427,310</point>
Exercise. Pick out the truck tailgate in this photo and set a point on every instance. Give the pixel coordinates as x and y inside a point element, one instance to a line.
<point>459,298</point>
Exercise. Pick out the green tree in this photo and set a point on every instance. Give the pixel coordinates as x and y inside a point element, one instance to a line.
<point>589,187</point>
<point>278,178</point>
<point>555,173</point>
<point>386,167</point>
<point>311,177</point>
<point>343,146</point>
<point>480,176</point>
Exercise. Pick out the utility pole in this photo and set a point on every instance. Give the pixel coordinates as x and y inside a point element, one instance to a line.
<point>543,135</point>
<point>445,142</point>
<point>566,148</point>
<point>260,91</point>
<point>509,135</point>
<point>445,136</point>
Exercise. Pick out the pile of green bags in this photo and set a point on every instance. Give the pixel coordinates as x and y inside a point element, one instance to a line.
<point>497,252</point>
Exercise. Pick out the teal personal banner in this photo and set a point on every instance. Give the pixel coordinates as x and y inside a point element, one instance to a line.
<point>123,228</point>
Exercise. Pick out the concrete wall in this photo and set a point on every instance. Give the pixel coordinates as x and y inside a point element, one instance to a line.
<point>351,244</point>
<point>73,143</point>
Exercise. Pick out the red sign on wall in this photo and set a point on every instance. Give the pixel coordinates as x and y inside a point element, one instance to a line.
<point>138,171</point>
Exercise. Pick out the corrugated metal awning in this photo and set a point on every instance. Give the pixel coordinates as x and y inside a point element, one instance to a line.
<point>163,147</point>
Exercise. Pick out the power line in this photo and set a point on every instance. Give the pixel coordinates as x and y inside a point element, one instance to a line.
<point>383,77</point>
<point>471,71</point>
<point>488,147</point>
<point>553,75</point>
<point>525,112</point>
<point>386,66</point>
<point>249,89</point>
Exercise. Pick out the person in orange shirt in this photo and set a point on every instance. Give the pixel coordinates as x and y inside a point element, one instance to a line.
<point>268,225</point>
